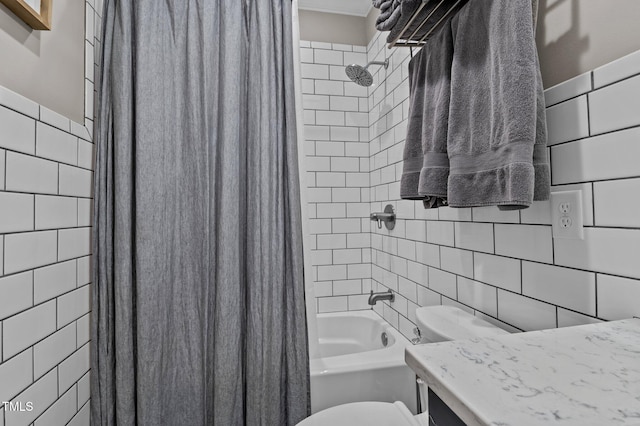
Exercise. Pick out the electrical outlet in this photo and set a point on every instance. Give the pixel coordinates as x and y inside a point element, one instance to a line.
<point>565,208</point>
<point>566,214</point>
<point>565,222</point>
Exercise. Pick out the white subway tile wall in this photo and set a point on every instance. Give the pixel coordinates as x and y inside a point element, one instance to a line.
<point>337,150</point>
<point>46,175</point>
<point>505,266</point>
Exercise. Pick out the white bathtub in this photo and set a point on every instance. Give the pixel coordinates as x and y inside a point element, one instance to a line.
<point>355,366</point>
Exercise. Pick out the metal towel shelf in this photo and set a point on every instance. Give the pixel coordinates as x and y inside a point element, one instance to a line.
<point>408,38</point>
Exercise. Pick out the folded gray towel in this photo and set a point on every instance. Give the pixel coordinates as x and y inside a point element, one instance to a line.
<point>497,131</point>
<point>389,17</point>
<point>378,3</point>
<point>385,7</point>
<point>434,10</point>
<point>426,165</point>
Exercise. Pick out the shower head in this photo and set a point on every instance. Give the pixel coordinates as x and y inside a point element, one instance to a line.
<point>360,75</point>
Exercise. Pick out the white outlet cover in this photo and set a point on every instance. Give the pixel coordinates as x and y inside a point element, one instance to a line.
<point>561,215</point>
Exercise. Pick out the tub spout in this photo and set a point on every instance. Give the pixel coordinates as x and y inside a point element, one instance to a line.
<point>385,295</point>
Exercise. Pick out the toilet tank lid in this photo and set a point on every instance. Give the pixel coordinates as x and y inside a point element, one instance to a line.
<point>444,323</point>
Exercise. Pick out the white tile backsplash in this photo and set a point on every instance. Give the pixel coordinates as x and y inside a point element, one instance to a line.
<point>332,241</point>
<point>498,271</point>
<point>326,87</point>
<point>504,265</point>
<point>329,57</point>
<point>55,212</point>
<point>442,282</point>
<point>571,88</point>
<point>618,297</point>
<point>568,318</point>
<point>314,71</point>
<point>17,294</point>
<point>56,144</point>
<point>428,254</point>
<point>320,45</point>
<point>73,368</point>
<point>61,411</point>
<point>2,162</point>
<point>42,393</point>
<point>75,182</point>
<point>29,250</point>
<point>495,215</point>
<point>333,304</point>
<point>19,103</point>
<point>42,194</point>
<point>474,236</point>
<point>73,243</point>
<point>440,233</point>
<point>83,417</point>
<point>52,350</point>
<point>73,305</point>
<point>478,295</point>
<point>427,297</point>
<point>615,107</point>
<point>604,157</point>
<point>607,250</point>
<point>449,213</point>
<point>539,213</point>
<point>83,270</point>
<point>525,313</point>
<point>25,173</point>
<point>347,287</point>
<point>83,333</point>
<point>15,375</point>
<point>418,273</point>
<point>617,70</point>
<point>616,203</point>
<point>529,242</point>
<point>18,131</point>
<point>458,261</point>
<point>52,281</point>
<point>16,212</point>
<point>315,102</point>
<point>566,287</point>
<point>25,329</point>
<point>568,121</point>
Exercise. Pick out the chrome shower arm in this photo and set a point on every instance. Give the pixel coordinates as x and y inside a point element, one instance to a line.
<point>384,63</point>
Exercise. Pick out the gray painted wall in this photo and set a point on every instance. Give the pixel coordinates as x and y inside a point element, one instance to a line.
<point>46,66</point>
<point>371,23</point>
<point>333,28</point>
<point>575,36</point>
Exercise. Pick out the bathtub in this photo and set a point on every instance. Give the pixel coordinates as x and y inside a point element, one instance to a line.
<point>355,366</point>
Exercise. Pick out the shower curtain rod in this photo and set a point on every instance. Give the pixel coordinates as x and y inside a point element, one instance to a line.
<point>407,38</point>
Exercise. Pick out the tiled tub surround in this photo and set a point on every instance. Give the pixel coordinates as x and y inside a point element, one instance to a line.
<point>513,379</point>
<point>46,174</point>
<point>336,113</point>
<point>505,266</point>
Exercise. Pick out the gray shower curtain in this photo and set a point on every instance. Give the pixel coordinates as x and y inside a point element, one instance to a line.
<point>198,302</point>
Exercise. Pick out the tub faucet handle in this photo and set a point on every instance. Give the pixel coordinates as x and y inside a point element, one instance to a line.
<point>388,217</point>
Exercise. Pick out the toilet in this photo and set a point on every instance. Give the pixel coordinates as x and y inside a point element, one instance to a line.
<point>435,324</point>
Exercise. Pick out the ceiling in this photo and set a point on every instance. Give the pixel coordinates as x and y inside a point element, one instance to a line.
<point>345,7</point>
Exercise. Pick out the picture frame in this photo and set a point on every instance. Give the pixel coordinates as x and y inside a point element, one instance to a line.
<point>26,10</point>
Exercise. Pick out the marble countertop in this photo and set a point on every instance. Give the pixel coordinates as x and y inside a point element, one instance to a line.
<point>586,375</point>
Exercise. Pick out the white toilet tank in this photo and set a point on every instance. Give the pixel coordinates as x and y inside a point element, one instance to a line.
<point>445,323</point>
